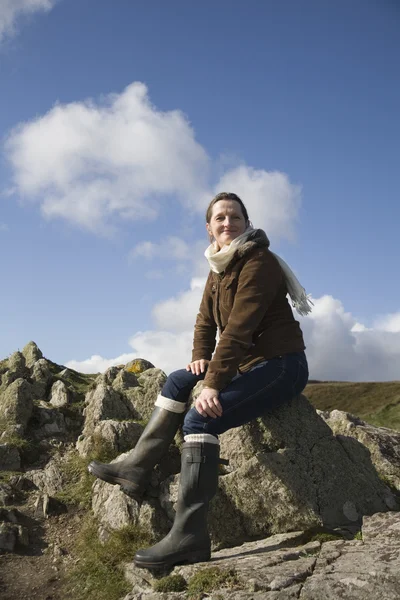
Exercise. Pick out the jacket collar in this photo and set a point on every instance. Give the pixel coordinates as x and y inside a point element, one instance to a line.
<point>257,238</point>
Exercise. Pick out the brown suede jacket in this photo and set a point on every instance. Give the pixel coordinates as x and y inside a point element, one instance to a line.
<point>248,305</point>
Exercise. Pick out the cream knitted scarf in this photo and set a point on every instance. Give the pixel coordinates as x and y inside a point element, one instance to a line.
<point>219,260</point>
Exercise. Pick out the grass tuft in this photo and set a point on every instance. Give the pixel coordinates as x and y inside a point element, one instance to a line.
<point>325,537</point>
<point>78,487</point>
<point>16,441</point>
<point>98,572</point>
<point>171,583</point>
<point>212,578</point>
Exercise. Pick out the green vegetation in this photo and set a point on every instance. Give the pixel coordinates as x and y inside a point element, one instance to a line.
<point>212,578</point>
<point>325,537</point>
<point>378,403</point>
<point>78,487</point>
<point>98,573</point>
<point>5,476</point>
<point>28,449</point>
<point>15,440</point>
<point>79,382</point>
<point>319,534</point>
<point>171,583</point>
<point>358,535</point>
<point>73,412</point>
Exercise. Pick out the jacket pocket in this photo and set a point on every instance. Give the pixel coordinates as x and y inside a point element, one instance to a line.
<point>230,281</point>
<point>228,288</point>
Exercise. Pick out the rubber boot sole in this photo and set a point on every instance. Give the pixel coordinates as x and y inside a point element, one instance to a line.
<point>177,559</point>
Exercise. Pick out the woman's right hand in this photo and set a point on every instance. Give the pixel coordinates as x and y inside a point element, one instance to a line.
<point>198,366</point>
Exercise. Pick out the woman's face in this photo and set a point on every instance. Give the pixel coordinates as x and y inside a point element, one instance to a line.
<point>227,222</point>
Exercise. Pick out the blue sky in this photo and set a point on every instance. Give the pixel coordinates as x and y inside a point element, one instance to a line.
<point>120,120</point>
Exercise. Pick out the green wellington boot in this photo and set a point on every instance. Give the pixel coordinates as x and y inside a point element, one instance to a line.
<point>189,540</point>
<point>134,472</point>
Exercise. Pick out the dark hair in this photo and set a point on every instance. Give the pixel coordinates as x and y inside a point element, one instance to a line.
<point>226,196</point>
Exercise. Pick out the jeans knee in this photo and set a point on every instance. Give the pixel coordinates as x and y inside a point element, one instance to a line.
<point>193,423</point>
<point>179,384</point>
<point>178,376</point>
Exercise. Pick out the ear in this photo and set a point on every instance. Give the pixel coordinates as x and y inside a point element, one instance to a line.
<point>210,235</point>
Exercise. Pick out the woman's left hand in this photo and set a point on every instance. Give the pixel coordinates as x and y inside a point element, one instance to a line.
<point>207,404</point>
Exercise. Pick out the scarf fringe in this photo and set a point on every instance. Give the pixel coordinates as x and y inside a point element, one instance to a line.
<point>301,301</point>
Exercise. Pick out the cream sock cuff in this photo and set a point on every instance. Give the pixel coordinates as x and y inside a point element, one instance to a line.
<point>204,438</point>
<point>171,405</point>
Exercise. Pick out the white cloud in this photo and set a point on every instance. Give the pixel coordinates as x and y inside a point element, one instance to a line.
<point>271,200</point>
<point>338,347</point>
<point>172,248</point>
<point>98,364</point>
<point>198,283</point>
<point>390,323</point>
<point>92,163</point>
<point>341,348</point>
<point>12,10</point>
<point>179,314</point>
<point>164,349</point>
<point>144,250</point>
<point>189,260</point>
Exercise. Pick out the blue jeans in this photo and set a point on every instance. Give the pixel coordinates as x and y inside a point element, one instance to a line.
<point>249,395</point>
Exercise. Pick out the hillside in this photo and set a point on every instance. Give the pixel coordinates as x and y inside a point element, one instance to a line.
<point>63,534</point>
<point>378,403</point>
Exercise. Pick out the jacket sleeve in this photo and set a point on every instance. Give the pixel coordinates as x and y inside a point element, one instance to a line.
<point>205,328</point>
<point>258,284</point>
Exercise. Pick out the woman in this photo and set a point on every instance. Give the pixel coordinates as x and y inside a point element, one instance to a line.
<point>258,364</point>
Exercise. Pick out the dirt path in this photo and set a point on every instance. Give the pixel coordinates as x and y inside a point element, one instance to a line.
<point>36,572</point>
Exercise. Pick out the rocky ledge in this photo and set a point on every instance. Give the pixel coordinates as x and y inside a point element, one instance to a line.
<point>285,567</point>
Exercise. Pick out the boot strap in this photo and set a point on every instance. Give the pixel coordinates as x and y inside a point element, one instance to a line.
<point>190,458</point>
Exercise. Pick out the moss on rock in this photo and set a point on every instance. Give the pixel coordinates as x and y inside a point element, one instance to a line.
<point>171,583</point>
<point>138,365</point>
<point>212,578</point>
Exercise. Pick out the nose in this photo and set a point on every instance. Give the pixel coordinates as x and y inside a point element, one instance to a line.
<point>227,221</point>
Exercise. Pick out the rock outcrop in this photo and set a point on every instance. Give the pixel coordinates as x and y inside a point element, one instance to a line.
<point>16,406</point>
<point>382,443</point>
<point>286,566</point>
<point>293,471</point>
<point>41,377</point>
<point>300,474</point>
<point>119,399</point>
<point>32,354</point>
<point>150,383</point>
<point>59,394</point>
